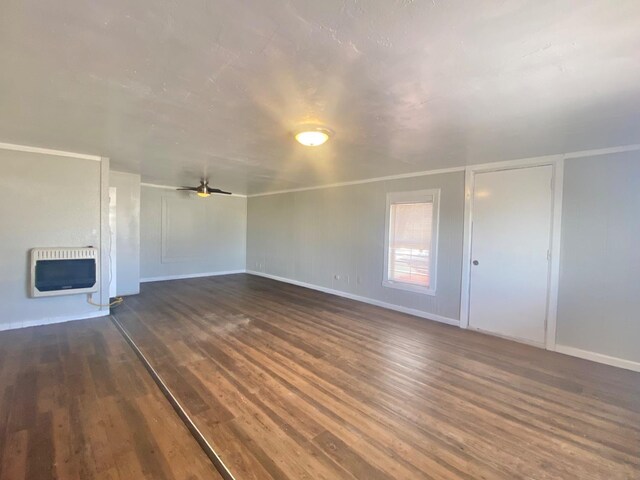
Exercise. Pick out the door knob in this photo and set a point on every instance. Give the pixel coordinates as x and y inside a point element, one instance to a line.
<point>475,262</point>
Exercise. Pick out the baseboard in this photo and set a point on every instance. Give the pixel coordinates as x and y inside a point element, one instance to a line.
<point>189,275</point>
<point>51,321</point>
<point>370,301</point>
<point>599,358</point>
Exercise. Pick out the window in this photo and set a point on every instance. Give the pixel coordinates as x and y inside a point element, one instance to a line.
<point>411,241</point>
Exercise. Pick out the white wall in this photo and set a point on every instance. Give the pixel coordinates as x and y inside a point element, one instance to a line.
<point>183,235</point>
<point>46,201</point>
<point>312,236</point>
<point>599,295</point>
<point>127,231</point>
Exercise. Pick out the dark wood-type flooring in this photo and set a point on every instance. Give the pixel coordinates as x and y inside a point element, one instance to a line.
<point>76,403</point>
<point>289,383</point>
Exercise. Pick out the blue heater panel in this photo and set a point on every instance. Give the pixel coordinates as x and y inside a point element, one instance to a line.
<point>56,275</point>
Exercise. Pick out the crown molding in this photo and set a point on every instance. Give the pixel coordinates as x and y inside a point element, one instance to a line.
<point>48,151</point>
<point>367,180</point>
<point>524,161</point>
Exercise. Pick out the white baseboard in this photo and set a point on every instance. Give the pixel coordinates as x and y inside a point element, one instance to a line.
<point>52,320</point>
<point>189,275</point>
<point>574,352</point>
<point>599,357</point>
<point>371,301</point>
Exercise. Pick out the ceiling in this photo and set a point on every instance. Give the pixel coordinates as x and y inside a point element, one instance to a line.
<point>176,90</point>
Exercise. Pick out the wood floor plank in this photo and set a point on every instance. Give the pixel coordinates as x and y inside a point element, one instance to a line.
<point>76,404</point>
<point>287,382</point>
<point>40,449</point>
<point>14,461</point>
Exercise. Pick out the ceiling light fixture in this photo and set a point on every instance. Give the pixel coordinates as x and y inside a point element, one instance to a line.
<point>313,136</point>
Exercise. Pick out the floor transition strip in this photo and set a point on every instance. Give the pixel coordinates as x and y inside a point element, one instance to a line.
<point>195,432</point>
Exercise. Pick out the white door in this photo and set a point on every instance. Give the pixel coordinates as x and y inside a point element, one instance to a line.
<point>511,236</point>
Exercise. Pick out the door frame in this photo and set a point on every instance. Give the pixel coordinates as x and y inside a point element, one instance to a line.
<point>113,237</point>
<point>557,164</point>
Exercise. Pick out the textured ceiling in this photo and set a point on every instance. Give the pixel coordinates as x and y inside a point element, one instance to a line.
<point>179,89</point>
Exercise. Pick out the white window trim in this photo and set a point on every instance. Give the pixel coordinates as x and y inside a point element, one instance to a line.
<point>414,196</point>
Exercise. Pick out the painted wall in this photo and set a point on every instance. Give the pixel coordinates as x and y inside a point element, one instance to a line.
<point>182,234</point>
<point>599,295</point>
<point>332,238</point>
<point>45,201</point>
<point>127,231</point>
<point>315,236</point>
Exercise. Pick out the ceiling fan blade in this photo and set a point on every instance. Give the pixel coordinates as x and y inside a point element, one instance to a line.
<point>188,188</point>
<point>217,190</point>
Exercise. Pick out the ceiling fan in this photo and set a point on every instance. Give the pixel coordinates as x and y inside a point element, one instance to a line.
<point>204,190</point>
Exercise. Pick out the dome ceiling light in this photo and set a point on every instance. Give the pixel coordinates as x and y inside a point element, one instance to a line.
<point>312,135</point>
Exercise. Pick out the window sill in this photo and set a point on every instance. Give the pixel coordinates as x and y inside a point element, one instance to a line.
<point>409,288</point>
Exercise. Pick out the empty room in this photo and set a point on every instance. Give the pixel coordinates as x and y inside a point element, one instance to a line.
<point>339,239</point>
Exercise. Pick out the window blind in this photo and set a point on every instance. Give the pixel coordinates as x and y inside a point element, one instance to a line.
<point>410,239</point>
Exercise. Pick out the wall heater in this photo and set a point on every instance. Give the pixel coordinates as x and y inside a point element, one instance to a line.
<point>63,271</point>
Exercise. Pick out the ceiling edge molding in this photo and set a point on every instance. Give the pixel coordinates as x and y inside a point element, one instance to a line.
<point>48,151</point>
<point>367,180</point>
<point>603,151</point>
<point>555,156</point>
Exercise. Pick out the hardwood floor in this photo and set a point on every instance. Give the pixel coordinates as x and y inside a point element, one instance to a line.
<point>289,383</point>
<point>75,403</point>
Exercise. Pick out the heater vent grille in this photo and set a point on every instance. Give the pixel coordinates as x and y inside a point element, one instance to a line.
<point>63,271</point>
<point>63,253</point>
